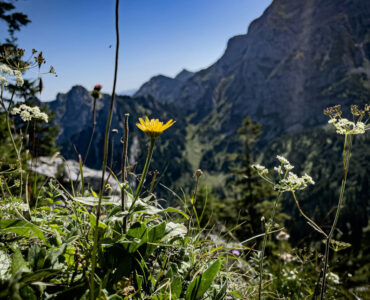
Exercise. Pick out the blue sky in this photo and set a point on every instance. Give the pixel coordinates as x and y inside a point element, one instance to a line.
<point>157,37</point>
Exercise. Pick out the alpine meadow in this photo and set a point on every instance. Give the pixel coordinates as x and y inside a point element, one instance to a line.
<point>247,179</point>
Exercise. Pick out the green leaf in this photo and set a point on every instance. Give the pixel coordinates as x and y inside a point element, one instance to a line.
<point>176,287</point>
<point>221,293</point>
<point>175,230</point>
<point>21,227</point>
<point>93,201</point>
<point>27,293</point>
<point>152,210</point>
<point>138,232</point>
<point>18,263</point>
<point>39,275</point>
<point>202,282</point>
<point>155,234</point>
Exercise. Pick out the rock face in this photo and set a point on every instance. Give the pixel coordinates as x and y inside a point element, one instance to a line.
<point>296,59</point>
<point>163,88</point>
<point>66,170</point>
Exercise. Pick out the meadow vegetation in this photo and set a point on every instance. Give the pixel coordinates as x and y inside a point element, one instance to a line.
<point>73,242</point>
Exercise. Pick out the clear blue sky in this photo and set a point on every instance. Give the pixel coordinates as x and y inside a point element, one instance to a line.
<point>157,37</point>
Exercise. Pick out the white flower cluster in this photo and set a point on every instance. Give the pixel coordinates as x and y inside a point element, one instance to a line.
<point>260,169</point>
<point>288,181</point>
<point>345,126</point>
<point>28,113</point>
<point>14,205</point>
<point>292,182</point>
<point>6,71</point>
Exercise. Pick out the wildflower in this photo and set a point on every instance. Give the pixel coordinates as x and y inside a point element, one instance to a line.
<point>28,113</point>
<point>343,125</point>
<point>235,252</point>
<point>3,79</point>
<point>279,170</point>
<point>260,169</point>
<point>282,236</point>
<point>25,116</point>
<point>95,93</point>
<point>288,167</point>
<point>6,70</point>
<point>292,182</point>
<point>153,128</point>
<point>287,257</point>
<point>198,173</point>
<point>283,160</point>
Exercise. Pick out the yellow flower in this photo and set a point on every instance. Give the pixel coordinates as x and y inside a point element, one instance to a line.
<point>153,128</point>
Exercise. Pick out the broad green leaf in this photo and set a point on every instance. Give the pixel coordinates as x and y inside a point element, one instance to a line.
<point>175,230</point>
<point>18,263</point>
<point>152,210</point>
<point>139,232</point>
<point>39,275</point>
<point>155,234</point>
<point>27,292</point>
<point>176,287</point>
<point>202,282</point>
<point>93,222</point>
<point>93,201</point>
<point>21,227</point>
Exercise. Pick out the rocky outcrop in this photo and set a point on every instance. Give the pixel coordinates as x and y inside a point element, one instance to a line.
<point>68,170</point>
<point>163,88</point>
<point>296,59</point>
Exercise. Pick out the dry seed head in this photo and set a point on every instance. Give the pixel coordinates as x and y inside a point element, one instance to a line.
<point>198,173</point>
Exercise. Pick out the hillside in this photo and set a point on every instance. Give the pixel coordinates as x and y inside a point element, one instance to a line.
<point>295,60</point>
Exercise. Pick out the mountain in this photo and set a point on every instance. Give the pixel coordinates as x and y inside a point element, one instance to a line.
<point>129,92</point>
<point>163,88</point>
<point>73,115</point>
<point>296,59</point>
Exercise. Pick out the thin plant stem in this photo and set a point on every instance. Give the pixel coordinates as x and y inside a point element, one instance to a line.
<point>155,174</point>
<point>105,158</point>
<point>93,129</point>
<point>82,174</point>
<point>123,175</point>
<point>265,242</point>
<point>311,222</point>
<point>16,149</point>
<point>346,159</point>
<point>145,171</point>
<point>192,202</point>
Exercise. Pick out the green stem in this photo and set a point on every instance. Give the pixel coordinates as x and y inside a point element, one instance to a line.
<point>346,160</point>
<point>17,151</point>
<point>311,222</point>
<point>92,131</point>
<point>192,202</point>
<point>265,242</point>
<point>105,158</point>
<point>145,171</point>
<point>124,158</point>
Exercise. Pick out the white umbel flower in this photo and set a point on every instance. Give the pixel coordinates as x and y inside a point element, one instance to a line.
<point>28,113</point>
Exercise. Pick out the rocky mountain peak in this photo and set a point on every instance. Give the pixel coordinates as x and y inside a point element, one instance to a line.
<point>184,75</point>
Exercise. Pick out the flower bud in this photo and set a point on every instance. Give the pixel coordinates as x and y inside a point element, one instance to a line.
<point>198,173</point>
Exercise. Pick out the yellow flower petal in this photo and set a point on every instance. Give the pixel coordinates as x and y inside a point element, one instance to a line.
<point>153,127</point>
